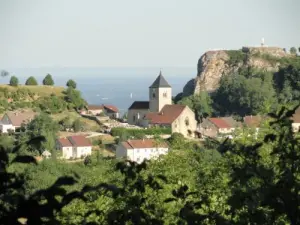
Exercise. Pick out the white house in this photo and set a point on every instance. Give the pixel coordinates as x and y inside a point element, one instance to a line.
<point>13,120</point>
<point>140,150</point>
<point>74,147</point>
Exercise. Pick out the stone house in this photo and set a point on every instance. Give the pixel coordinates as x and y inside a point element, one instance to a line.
<point>212,127</point>
<point>94,109</point>
<point>109,110</point>
<point>13,120</point>
<point>159,111</point>
<point>74,147</point>
<point>140,150</point>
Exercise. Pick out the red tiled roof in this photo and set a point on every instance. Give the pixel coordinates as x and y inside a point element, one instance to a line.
<point>167,115</point>
<point>64,142</point>
<point>146,143</point>
<point>111,108</point>
<point>79,141</point>
<point>94,107</point>
<point>219,122</point>
<point>19,117</point>
<point>139,105</point>
<point>252,121</point>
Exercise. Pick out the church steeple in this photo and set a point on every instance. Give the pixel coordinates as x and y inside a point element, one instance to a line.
<point>160,82</point>
<point>160,94</point>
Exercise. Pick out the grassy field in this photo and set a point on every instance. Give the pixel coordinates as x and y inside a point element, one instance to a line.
<point>40,90</point>
<point>90,125</point>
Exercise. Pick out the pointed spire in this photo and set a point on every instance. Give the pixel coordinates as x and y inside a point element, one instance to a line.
<point>160,82</point>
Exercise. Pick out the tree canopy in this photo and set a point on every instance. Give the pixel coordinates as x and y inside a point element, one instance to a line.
<point>14,81</point>
<point>48,80</point>
<point>31,81</point>
<point>71,83</point>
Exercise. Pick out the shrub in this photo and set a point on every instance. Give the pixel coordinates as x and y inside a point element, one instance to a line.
<point>31,81</point>
<point>120,131</point>
<point>14,81</point>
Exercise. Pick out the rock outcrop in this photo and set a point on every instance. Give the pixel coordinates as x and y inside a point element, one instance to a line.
<point>214,64</point>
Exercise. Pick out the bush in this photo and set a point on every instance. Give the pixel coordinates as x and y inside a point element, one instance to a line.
<point>31,81</point>
<point>71,83</point>
<point>48,80</point>
<point>120,131</point>
<point>14,81</point>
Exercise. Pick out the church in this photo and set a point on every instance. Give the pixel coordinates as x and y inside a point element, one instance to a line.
<point>159,110</point>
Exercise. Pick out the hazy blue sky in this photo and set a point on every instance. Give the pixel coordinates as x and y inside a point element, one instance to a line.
<point>37,33</point>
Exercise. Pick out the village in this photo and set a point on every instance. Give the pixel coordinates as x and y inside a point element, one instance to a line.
<point>158,112</point>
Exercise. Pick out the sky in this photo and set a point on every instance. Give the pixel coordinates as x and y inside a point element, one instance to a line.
<point>138,33</point>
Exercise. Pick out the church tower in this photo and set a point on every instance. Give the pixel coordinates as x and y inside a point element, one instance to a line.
<point>160,94</point>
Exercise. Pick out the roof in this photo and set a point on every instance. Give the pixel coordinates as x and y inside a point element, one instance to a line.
<point>160,82</point>
<point>111,108</point>
<point>145,143</point>
<point>220,123</point>
<point>17,118</point>
<point>167,115</point>
<point>94,107</point>
<point>252,121</point>
<point>296,118</point>
<point>64,142</point>
<point>79,141</point>
<point>232,122</point>
<point>140,105</point>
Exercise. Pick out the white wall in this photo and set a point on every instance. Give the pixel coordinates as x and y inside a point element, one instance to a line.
<point>83,151</point>
<point>296,127</point>
<point>6,127</point>
<point>162,96</point>
<point>67,152</point>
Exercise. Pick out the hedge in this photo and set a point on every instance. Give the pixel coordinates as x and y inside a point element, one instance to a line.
<point>119,131</point>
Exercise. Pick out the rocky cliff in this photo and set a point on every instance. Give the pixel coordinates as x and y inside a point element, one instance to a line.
<point>214,64</point>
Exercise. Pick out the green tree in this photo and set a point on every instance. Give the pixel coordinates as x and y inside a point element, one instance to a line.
<point>45,126</point>
<point>14,81</point>
<point>200,103</point>
<point>71,83</point>
<point>73,96</point>
<point>48,80</point>
<point>77,125</point>
<point>293,50</point>
<point>31,81</point>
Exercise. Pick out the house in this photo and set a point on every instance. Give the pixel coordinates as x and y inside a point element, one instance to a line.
<point>109,110</point>
<point>13,120</point>
<point>73,147</point>
<point>212,127</point>
<point>94,109</point>
<point>253,122</point>
<point>159,111</point>
<point>296,122</point>
<point>140,150</point>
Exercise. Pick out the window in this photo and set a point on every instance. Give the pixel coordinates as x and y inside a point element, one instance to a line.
<point>165,94</point>
<point>187,122</point>
<point>153,93</point>
<point>134,118</point>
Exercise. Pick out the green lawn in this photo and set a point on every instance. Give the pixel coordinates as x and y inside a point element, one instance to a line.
<point>40,90</point>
